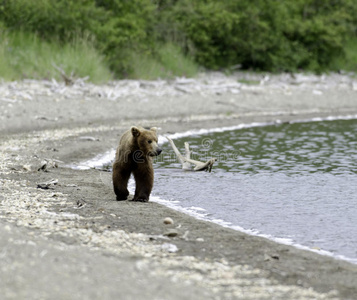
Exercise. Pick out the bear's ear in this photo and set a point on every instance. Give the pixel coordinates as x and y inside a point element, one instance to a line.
<point>154,129</point>
<point>135,131</point>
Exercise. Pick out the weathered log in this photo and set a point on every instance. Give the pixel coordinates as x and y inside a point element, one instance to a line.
<point>186,160</point>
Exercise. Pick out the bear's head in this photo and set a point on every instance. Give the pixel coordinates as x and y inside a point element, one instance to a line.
<point>146,140</point>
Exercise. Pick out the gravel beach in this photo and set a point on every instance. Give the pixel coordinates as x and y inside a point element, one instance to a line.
<point>63,235</point>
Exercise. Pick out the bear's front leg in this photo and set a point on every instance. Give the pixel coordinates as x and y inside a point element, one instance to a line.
<point>121,194</point>
<point>120,182</point>
<point>144,181</point>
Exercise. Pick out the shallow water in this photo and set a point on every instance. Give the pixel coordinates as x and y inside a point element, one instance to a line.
<point>294,181</point>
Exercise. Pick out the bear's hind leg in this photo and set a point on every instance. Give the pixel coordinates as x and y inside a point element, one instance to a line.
<point>141,196</point>
<point>120,182</point>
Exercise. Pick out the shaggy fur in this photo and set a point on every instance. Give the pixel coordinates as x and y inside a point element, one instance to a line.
<point>137,147</point>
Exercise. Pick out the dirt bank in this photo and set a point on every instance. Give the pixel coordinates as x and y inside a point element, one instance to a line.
<point>73,240</point>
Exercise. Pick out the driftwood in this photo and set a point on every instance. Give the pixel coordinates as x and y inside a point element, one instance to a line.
<point>48,184</point>
<point>68,80</point>
<point>186,160</point>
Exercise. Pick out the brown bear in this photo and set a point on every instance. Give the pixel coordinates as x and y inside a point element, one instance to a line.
<point>135,153</point>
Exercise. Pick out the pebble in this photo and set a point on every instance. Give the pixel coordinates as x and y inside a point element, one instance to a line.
<point>171,233</point>
<point>46,164</point>
<point>48,184</point>
<point>168,220</point>
<point>88,138</point>
<point>71,185</point>
<point>271,257</point>
<point>27,167</point>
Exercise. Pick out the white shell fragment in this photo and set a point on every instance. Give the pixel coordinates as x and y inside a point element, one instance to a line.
<point>171,248</point>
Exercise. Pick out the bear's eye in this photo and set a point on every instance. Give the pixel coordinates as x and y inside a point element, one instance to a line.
<point>149,141</point>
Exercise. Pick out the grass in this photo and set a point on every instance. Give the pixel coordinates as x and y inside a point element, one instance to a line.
<point>24,55</point>
<point>248,81</point>
<point>168,62</point>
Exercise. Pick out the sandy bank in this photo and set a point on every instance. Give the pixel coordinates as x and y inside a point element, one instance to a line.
<point>82,244</point>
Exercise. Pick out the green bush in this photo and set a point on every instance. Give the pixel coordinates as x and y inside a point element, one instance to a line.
<point>53,18</point>
<point>254,34</point>
<point>266,35</point>
<point>119,27</point>
<point>129,29</point>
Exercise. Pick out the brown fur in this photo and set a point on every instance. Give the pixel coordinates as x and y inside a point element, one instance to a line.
<point>134,155</point>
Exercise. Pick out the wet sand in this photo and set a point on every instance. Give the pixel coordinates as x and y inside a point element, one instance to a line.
<point>74,241</point>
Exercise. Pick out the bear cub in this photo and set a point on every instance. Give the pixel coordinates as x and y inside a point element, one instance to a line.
<point>135,153</point>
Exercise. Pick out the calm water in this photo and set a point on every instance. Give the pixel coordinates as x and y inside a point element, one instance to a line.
<point>291,181</point>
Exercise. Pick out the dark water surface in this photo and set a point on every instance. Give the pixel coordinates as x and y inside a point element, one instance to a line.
<point>295,182</point>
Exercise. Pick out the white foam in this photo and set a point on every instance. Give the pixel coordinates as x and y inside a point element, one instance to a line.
<point>179,135</point>
<point>97,162</point>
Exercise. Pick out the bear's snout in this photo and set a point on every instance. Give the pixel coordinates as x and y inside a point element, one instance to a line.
<point>156,152</point>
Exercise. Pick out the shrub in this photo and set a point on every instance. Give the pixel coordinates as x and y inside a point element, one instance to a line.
<point>53,18</point>
<point>25,55</point>
<point>129,29</point>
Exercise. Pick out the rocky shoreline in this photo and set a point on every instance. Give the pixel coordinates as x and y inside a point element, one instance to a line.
<point>70,239</point>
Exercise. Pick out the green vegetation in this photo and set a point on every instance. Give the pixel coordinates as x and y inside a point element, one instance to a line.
<point>24,55</point>
<point>249,82</point>
<point>148,39</point>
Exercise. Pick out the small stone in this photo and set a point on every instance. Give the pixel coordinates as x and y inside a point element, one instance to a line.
<point>48,184</point>
<point>270,257</point>
<point>43,166</point>
<point>71,185</point>
<point>185,235</point>
<point>27,167</point>
<point>317,92</point>
<point>46,164</point>
<point>80,203</point>
<point>200,240</point>
<point>168,220</point>
<point>171,233</point>
<point>88,138</point>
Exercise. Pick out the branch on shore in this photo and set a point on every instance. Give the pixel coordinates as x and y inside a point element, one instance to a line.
<point>68,80</point>
<point>186,160</point>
